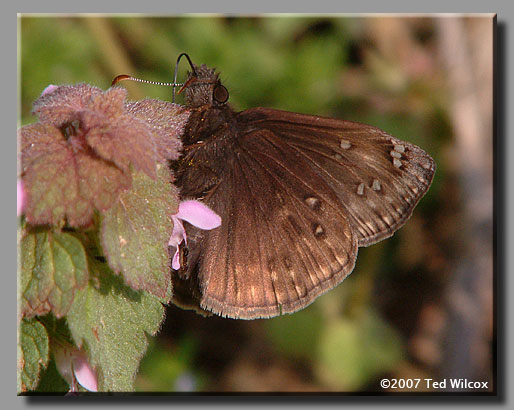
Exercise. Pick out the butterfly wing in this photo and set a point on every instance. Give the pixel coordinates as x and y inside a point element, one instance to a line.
<point>283,240</point>
<point>310,190</point>
<point>377,178</point>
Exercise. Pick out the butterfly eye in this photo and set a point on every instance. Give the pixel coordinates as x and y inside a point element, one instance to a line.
<point>220,94</point>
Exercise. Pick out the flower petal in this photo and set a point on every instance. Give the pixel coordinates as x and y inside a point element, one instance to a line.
<point>20,195</point>
<point>49,89</point>
<point>85,375</point>
<point>73,365</point>
<point>175,263</point>
<point>178,233</point>
<point>198,214</point>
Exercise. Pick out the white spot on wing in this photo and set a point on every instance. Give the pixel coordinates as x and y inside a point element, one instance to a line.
<point>395,154</point>
<point>345,144</point>
<point>312,202</point>
<point>399,148</point>
<point>318,230</point>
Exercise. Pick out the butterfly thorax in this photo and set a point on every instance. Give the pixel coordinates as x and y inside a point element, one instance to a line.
<point>209,133</point>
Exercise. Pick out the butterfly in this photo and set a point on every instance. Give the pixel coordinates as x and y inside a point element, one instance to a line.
<point>297,195</point>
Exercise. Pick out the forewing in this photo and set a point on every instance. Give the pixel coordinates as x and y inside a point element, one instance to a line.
<point>378,178</point>
<point>284,238</point>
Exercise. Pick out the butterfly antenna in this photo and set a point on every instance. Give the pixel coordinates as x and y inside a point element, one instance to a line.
<point>123,77</point>
<point>176,70</point>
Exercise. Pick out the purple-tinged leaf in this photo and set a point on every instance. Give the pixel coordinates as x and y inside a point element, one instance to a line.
<point>167,121</point>
<point>117,136</point>
<point>108,127</point>
<point>82,153</point>
<point>62,103</point>
<point>62,180</point>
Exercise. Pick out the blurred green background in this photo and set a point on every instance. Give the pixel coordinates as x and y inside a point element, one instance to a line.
<point>418,305</point>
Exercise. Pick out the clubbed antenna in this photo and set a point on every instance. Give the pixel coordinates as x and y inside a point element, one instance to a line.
<point>123,77</point>
<point>176,72</point>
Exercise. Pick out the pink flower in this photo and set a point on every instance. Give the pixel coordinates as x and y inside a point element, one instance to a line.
<point>74,367</point>
<point>197,214</point>
<point>20,195</point>
<point>49,89</point>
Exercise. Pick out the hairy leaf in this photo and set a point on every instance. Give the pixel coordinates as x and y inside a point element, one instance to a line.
<point>81,154</point>
<point>63,180</point>
<point>61,104</point>
<point>53,268</point>
<point>136,230</point>
<point>112,321</point>
<point>33,354</point>
<point>110,129</point>
<point>118,137</point>
<point>166,120</point>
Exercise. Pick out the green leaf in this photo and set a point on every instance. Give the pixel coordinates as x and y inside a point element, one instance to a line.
<point>53,268</point>
<point>136,231</point>
<point>112,321</point>
<point>33,354</point>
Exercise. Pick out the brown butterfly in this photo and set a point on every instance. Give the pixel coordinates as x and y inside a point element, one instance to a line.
<point>297,195</point>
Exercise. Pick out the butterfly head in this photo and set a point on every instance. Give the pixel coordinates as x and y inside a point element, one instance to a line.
<point>203,87</point>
